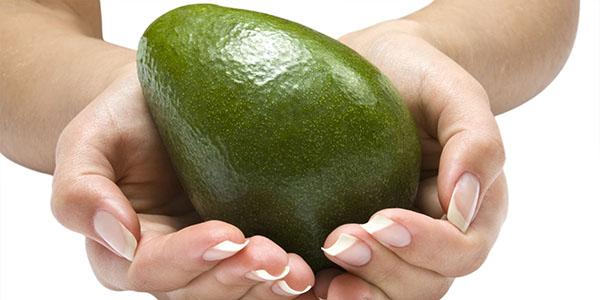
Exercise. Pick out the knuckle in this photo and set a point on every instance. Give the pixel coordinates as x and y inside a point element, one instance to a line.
<point>261,241</point>
<point>261,251</point>
<point>491,146</point>
<point>216,224</point>
<point>217,230</point>
<point>65,198</point>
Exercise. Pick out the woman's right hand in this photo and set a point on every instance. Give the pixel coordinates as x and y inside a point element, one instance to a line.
<point>114,183</point>
<point>403,254</point>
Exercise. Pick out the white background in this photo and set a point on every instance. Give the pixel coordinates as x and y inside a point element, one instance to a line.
<point>549,247</point>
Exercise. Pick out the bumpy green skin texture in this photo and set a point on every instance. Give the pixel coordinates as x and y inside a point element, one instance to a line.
<point>276,128</point>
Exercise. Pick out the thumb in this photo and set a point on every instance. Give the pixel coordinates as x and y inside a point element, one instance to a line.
<point>472,154</point>
<point>85,197</point>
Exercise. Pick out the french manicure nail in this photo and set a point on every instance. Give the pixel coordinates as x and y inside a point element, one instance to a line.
<point>263,275</point>
<point>350,250</point>
<point>463,202</point>
<point>387,231</point>
<point>223,250</point>
<point>283,289</point>
<point>115,234</point>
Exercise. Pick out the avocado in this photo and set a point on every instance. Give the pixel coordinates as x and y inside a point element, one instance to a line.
<point>274,127</point>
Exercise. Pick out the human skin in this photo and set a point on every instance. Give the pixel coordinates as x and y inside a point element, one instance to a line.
<point>113,179</point>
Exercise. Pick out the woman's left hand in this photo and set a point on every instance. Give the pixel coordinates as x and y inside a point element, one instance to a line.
<point>432,252</point>
<point>402,254</point>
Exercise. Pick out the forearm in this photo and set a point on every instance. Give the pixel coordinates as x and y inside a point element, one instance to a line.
<point>53,63</point>
<point>514,48</point>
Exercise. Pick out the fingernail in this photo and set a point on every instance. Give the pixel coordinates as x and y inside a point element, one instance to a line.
<point>223,250</point>
<point>350,250</point>
<point>283,289</point>
<point>263,275</point>
<point>387,231</point>
<point>115,234</point>
<point>463,202</point>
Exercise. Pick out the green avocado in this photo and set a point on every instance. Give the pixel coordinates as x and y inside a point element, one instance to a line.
<point>274,127</point>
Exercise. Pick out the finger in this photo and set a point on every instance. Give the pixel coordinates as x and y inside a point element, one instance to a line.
<point>166,262</point>
<point>323,280</point>
<point>473,154</point>
<point>85,197</point>
<point>298,282</point>
<point>355,250</point>
<point>348,287</point>
<point>435,244</point>
<point>262,260</point>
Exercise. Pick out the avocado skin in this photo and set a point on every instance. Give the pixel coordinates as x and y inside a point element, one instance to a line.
<point>274,127</point>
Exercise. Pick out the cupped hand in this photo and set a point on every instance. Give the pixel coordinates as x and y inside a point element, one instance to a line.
<point>114,183</point>
<point>402,254</point>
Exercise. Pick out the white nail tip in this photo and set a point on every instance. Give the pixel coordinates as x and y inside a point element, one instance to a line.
<point>223,250</point>
<point>456,218</point>
<point>343,242</point>
<point>467,192</point>
<point>132,242</point>
<point>263,275</point>
<point>377,223</point>
<point>229,246</point>
<point>115,234</point>
<point>287,289</point>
